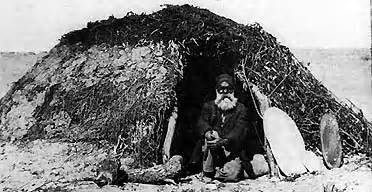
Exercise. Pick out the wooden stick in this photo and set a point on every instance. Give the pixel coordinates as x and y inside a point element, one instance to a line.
<point>274,170</point>
<point>264,104</point>
<point>357,145</point>
<point>169,136</point>
<point>110,173</point>
<point>157,174</point>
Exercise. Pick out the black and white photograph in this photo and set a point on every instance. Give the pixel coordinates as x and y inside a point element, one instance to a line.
<point>186,95</point>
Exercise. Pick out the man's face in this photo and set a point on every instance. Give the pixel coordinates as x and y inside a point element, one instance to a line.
<point>225,88</point>
<point>225,99</point>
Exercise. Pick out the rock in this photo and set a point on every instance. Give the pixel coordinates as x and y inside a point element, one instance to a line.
<point>108,170</point>
<point>211,186</point>
<point>334,187</point>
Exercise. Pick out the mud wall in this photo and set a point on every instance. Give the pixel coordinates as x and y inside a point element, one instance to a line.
<point>96,95</point>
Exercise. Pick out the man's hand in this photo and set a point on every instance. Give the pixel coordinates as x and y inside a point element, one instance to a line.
<point>216,143</point>
<point>211,135</point>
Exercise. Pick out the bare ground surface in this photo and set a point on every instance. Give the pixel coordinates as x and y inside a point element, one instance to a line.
<point>57,166</point>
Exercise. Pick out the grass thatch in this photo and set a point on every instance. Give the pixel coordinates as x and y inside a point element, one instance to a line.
<point>263,61</point>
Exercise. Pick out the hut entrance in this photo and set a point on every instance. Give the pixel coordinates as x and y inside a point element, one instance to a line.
<point>197,87</point>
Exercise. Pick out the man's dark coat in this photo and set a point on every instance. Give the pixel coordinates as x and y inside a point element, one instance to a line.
<point>234,128</point>
<point>237,128</point>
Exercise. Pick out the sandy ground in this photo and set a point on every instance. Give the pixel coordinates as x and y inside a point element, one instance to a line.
<point>56,166</point>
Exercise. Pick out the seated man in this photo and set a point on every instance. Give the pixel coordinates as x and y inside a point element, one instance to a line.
<point>223,125</point>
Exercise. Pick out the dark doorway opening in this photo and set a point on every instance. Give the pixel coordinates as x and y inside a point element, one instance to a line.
<point>198,87</point>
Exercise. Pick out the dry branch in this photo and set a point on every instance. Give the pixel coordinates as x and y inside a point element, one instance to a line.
<point>157,174</point>
<point>109,172</point>
<point>169,136</point>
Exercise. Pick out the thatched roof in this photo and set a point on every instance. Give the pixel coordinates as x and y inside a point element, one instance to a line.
<point>125,76</point>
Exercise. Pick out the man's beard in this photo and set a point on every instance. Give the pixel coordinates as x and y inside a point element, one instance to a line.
<point>225,101</point>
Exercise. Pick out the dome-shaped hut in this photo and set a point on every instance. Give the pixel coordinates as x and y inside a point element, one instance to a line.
<point>127,76</point>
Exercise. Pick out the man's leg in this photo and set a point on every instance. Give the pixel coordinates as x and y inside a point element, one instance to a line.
<point>231,171</point>
<point>211,160</point>
<point>256,167</point>
<point>208,166</point>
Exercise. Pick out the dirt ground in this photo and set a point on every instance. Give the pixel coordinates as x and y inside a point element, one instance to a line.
<point>57,166</point>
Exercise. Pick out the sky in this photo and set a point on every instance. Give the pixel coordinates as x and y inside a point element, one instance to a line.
<point>36,25</point>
